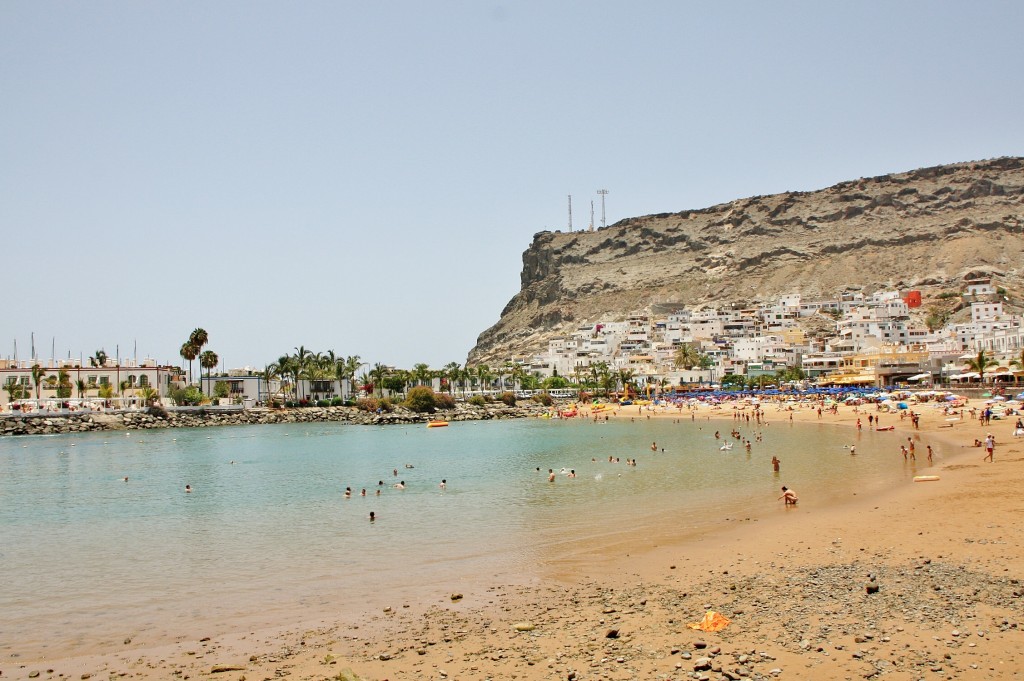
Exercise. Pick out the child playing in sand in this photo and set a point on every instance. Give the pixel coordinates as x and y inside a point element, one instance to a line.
<point>789,496</point>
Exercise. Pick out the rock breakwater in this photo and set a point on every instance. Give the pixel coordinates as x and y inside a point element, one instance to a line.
<point>51,424</point>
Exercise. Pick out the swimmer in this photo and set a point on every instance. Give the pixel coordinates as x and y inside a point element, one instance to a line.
<point>188,488</point>
<point>572,473</point>
<point>789,496</point>
<point>853,449</point>
<point>363,493</point>
<point>551,475</point>
<point>654,446</point>
<point>775,463</point>
<point>395,472</point>
<point>373,516</point>
<point>443,485</point>
<point>125,478</point>
<point>400,485</point>
<point>409,465</point>
<point>348,492</point>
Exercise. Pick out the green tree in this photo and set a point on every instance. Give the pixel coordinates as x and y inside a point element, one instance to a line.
<point>452,372</point>
<point>421,399</point>
<point>221,390</point>
<point>686,357</point>
<point>14,390</point>
<point>38,373</point>
<point>554,383</point>
<point>189,352</point>
<point>378,374</point>
<point>420,374</point>
<point>98,359</point>
<point>64,387</point>
<point>981,363</point>
<point>81,386</point>
<point>148,394</point>
<point>208,360</point>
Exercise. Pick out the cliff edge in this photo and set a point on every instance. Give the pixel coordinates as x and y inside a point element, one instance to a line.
<point>929,229</point>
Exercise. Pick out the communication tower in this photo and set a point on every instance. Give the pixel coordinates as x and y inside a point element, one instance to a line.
<point>603,193</point>
<point>570,212</point>
<point>591,215</point>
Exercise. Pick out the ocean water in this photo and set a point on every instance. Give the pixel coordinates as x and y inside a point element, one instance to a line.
<point>267,535</point>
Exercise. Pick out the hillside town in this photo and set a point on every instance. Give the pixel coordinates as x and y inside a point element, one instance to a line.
<point>855,340</point>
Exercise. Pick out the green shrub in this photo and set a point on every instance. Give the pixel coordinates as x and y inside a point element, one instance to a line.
<point>477,400</point>
<point>370,404</point>
<point>387,405</point>
<point>337,402</point>
<point>323,403</point>
<point>508,397</point>
<point>421,399</point>
<point>543,398</point>
<point>444,401</point>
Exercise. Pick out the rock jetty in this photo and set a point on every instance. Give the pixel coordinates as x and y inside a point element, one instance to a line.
<point>50,424</point>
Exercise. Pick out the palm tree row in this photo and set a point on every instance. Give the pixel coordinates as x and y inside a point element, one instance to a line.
<point>305,367</point>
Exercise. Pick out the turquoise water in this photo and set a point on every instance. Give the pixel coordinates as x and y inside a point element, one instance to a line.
<point>267,536</point>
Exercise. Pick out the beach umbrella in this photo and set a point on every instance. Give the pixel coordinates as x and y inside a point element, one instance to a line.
<point>901,405</point>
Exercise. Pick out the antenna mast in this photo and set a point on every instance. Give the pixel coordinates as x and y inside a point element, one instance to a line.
<point>591,215</point>
<point>603,193</point>
<point>570,212</point>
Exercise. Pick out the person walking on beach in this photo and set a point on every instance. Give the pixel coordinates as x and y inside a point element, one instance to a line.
<point>990,446</point>
<point>929,453</point>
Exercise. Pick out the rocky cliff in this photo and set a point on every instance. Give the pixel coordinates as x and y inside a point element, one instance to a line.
<point>928,229</point>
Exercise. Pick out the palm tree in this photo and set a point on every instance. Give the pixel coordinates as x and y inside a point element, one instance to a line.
<point>208,360</point>
<point>271,372</point>
<point>452,371</point>
<point>148,394</point>
<point>686,356</point>
<point>378,374</point>
<point>980,363</point>
<point>199,338</point>
<point>420,373</point>
<point>485,376</point>
<point>287,366</point>
<point>98,359</point>
<point>38,373</point>
<point>190,352</point>
<point>1018,361</point>
<point>63,384</point>
<point>301,358</point>
<point>14,390</point>
<point>81,386</point>
<point>625,378</point>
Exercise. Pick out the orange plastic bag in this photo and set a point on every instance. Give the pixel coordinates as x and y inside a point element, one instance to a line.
<point>713,621</point>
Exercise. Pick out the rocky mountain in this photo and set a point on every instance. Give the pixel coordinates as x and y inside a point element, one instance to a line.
<point>928,229</point>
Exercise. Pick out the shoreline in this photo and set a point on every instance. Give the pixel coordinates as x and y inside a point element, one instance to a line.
<point>792,582</point>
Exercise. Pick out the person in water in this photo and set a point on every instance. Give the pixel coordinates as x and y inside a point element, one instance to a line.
<point>789,496</point>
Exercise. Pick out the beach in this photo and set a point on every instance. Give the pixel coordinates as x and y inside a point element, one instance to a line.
<point>945,556</point>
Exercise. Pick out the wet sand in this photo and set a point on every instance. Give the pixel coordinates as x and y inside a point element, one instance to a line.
<point>947,558</point>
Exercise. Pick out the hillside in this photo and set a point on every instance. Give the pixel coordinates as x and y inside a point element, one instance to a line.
<point>929,229</point>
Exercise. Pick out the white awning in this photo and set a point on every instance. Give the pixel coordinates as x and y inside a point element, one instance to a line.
<point>919,377</point>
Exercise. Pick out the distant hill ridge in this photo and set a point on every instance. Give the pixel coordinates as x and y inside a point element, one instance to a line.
<point>930,229</point>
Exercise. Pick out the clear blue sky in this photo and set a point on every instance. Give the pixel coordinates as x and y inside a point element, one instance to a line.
<point>364,177</point>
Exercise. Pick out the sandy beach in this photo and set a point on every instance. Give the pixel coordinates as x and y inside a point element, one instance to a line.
<point>946,558</point>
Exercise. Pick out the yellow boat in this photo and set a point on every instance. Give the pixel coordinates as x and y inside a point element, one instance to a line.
<point>436,424</point>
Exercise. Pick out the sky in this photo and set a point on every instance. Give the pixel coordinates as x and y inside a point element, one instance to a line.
<point>364,177</point>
